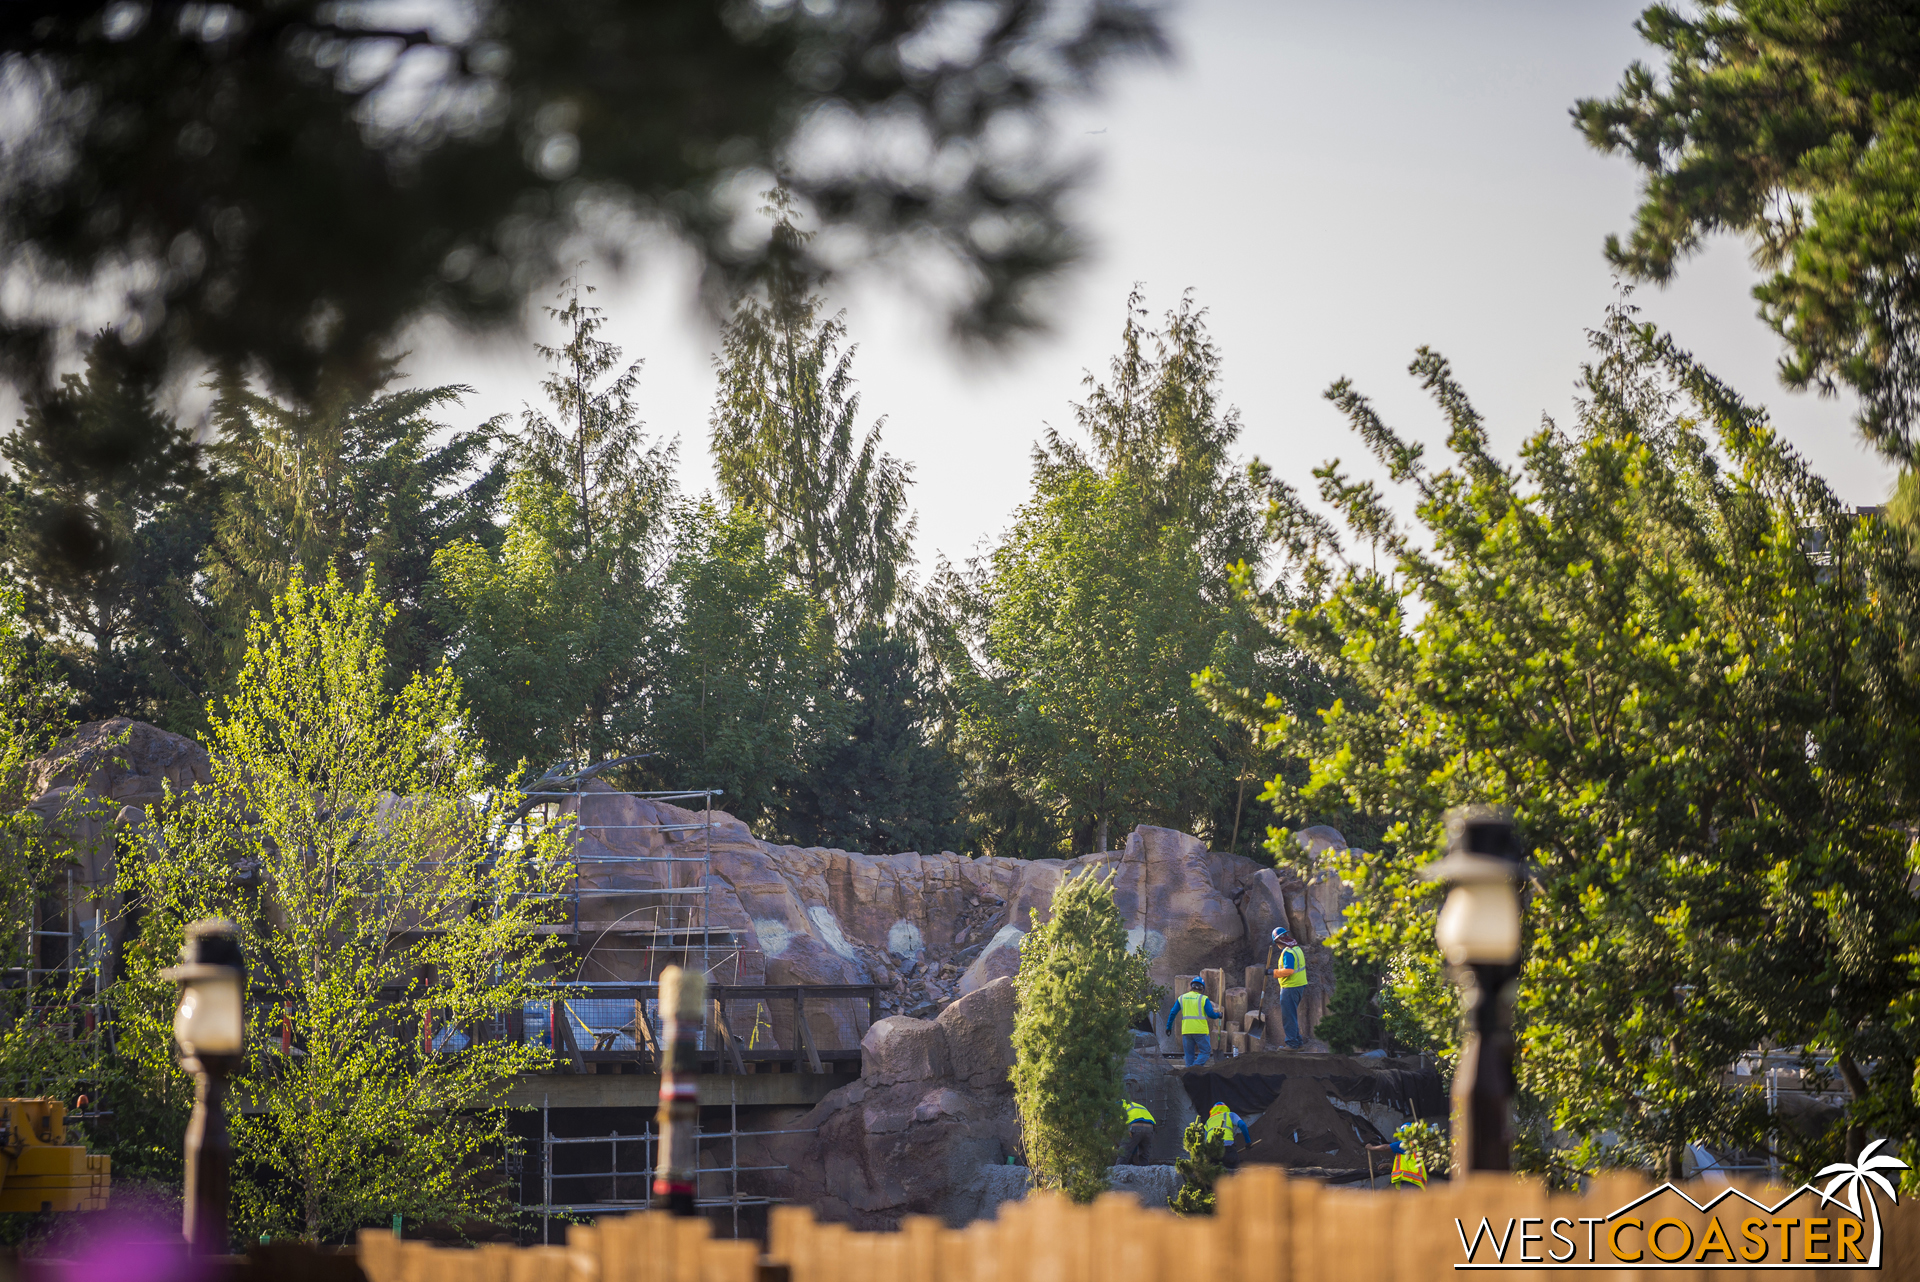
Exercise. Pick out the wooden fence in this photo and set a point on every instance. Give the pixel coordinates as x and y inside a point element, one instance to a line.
<point>1269,1229</point>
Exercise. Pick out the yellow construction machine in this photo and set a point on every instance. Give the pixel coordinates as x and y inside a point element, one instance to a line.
<point>39,1170</point>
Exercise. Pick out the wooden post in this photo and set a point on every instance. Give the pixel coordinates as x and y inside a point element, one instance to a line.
<point>725,1033</point>
<point>805,1034</point>
<point>643,1035</point>
<point>682,994</point>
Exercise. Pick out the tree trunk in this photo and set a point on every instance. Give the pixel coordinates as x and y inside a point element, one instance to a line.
<point>1100,837</point>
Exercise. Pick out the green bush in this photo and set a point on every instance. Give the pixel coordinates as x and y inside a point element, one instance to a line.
<point>1075,997</point>
<point>1199,1169</point>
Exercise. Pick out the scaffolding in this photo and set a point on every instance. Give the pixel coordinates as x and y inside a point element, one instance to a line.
<point>734,1201</point>
<point>672,919</point>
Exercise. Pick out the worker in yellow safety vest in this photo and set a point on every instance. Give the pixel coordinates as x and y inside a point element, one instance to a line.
<point>1228,1125</point>
<point>1409,1172</point>
<point>1192,1012</point>
<point>1287,962</point>
<point>1133,1150</point>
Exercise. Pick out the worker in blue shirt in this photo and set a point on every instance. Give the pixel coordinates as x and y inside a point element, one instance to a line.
<point>1192,1012</point>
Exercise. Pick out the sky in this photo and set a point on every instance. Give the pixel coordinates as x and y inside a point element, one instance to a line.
<point>1338,185</point>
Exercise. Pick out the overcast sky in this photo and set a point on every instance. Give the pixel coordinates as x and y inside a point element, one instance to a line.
<point>1338,184</point>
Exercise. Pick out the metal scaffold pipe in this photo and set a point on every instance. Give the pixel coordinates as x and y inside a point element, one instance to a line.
<point>683,999</point>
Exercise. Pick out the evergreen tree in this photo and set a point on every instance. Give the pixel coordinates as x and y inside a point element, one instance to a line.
<point>553,618</point>
<point>107,512</point>
<point>1122,580</point>
<point>787,447</point>
<point>1205,1162</point>
<point>881,782</point>
<point>1097,622</point>
<point>348,485</point>
<point>1158,421</point>
<point>744,677</point>
<point>1797,125</point>
<point>1075,995</point>
<point>594,448</point>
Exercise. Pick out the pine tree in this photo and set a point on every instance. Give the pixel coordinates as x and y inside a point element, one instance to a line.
<point>1796,126</point>
<point>1199,1170</point>
<point>787,447</point>
<point>880,782</point>
<point>108,510</point>
<point>1075,996</point>
<point>554,623</point>
<point>350,485</point>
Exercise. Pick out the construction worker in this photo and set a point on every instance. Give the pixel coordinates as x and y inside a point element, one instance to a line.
<point>1408,1172</point>
<point>1228,1125</point>
<point>1192,1012</point>
<point>1133,1150</point>
<point>1287,963</point>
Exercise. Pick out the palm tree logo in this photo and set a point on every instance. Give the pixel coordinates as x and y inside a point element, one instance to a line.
<point>1854,1178</point>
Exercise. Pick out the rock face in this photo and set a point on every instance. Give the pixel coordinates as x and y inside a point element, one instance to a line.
<point>104,775</point>
<point>992,1186</point>
<point>929,929</point>
<point>932,1107</point>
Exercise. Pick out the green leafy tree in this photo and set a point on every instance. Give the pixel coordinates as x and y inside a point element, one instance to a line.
<point>1096,627</point>
<point>745,675</point>
<point>107,513</point>
<point>1687,668</point>
<point>880,779</point>
<point>366,487</point>
<point>787,446</point>
<point>1795,124</point>
<point>1075,995</point>
<point>1205,1162</point>
<point>1078,640</point>
<point>44,1047</point>
<point>387,924</point>
<point>553,626</point>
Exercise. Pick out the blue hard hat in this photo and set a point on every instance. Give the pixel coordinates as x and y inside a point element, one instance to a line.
<point>1281,932</point>
<point>1197,982</point>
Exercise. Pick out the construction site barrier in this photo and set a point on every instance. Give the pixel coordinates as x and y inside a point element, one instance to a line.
<point>1268,1229</point>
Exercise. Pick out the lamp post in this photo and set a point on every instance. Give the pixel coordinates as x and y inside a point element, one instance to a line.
<point>1479,935</point>
<point>210,1026</point>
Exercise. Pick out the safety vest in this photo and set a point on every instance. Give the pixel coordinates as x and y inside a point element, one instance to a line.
<point>1193,1013</point>
<point>1136,1112</point>
<point>1294,958</point>
<point>1220,1123</point>
<point>1409,1168</point>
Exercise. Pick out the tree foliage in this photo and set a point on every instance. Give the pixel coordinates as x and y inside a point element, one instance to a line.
<point>1077,642</point>
<point>787,447</point>
<point>1205,1162</point>
<point>291,183</point>
<point>385,920</point>
<point>1689,671</point>
<point>1075,995</point>
<point>1796,124</point>
<point>880,780</point>
<point>746,676</point>
<point>366,487</point>
<point>107,511</point>
<point>552,620</point>
<point>45,1046</point>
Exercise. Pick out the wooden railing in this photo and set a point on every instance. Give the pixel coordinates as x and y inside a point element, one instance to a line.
<point>1268,1229</point>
